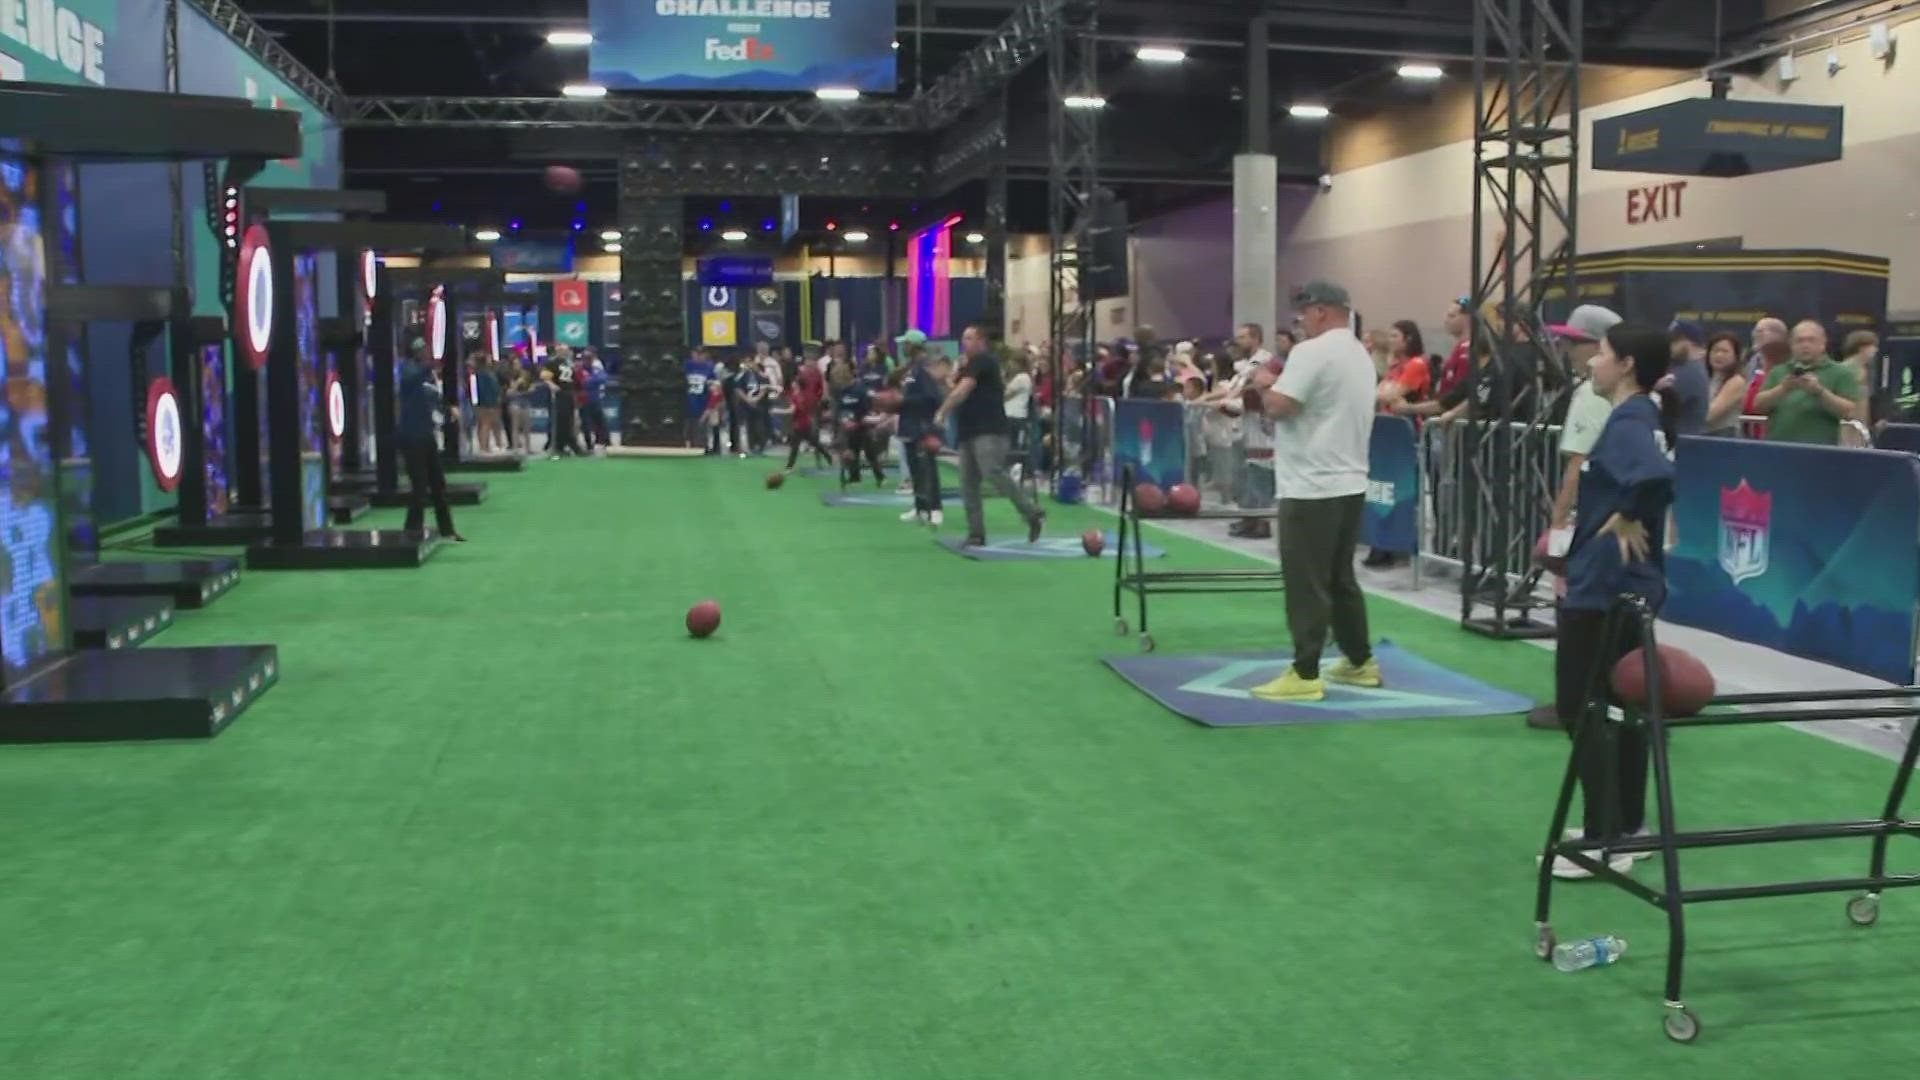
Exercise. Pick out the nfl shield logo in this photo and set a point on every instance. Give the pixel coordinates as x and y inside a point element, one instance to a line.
<point>1744,517</point>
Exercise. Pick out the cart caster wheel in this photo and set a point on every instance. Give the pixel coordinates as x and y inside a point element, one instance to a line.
<point>1543,943</point>
<point>1146,642</point>
<point>1863,910</point>
<point>1680,1024</point>
<point>1120,628</point>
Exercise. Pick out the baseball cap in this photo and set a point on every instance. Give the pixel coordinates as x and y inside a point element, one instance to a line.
<point>1687,330</point>
<point>912,337</point>
<point>1588,322</point>
<point>1320,292</point>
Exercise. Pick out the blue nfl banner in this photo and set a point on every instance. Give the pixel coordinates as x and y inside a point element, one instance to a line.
<point>1150,437</point>
<point>743,45</point>
<point>1811,550</point>
<point>1392,518</point>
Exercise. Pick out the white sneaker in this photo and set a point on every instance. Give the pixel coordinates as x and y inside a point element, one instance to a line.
<point>911,515</point>
<point>936,519</point>
<point>1567,870</point>
<point>1636,856</point>
<point>904,489</point>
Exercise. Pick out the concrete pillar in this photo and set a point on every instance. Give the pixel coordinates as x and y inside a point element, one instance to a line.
<point>1256,242</point>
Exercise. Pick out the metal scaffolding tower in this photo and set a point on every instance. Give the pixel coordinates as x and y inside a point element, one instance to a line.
<point>1073,184</point>
<point>1526,140</point>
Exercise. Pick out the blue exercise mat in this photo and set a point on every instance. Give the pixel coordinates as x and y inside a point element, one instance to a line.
<point>1049,547</point>
<point>1214,691</point>
<point>883,499</point>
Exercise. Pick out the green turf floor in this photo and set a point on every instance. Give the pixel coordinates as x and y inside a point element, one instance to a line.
<point>502,819</point>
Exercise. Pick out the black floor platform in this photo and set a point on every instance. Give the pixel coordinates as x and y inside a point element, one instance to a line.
<point>100,695</point>
<point>458,494</point>
<point>346,549</point>
<point>223,530</point>
<point>189,583</point>
<point>492,463</point>
<point>345,509</point>
<point>117,622</point>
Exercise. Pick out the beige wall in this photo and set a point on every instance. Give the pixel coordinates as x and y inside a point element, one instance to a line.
<point>1398,232</point>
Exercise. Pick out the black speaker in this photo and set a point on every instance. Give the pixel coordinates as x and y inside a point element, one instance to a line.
<point>1103,272</point>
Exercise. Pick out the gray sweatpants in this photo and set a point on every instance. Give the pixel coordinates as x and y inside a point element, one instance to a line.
<point>985,457</point>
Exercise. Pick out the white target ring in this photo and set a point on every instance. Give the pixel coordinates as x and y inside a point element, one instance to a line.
<point>165,451</point>
<point>253,295</point>
<point>473,388</point>
<point>493,334</point>
<point>336,408</point>
<point>369,275</point>
<point>437,326</point>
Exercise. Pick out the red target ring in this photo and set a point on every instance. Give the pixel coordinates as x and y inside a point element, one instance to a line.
<point>437,325</point>
<point>253,297</point>
<point>336,408</point>
<point>165,452</point>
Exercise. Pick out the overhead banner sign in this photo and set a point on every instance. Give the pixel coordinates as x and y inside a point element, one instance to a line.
<point>748,45</point>
<point>1718,137</point>
<point>767,312</point>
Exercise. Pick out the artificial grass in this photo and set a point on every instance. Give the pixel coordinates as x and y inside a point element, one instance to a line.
<point>502,818</point>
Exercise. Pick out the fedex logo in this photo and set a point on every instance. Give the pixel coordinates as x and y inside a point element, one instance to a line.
<point>748,49</point>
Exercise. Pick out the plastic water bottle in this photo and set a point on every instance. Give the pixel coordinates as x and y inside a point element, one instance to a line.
<point>1593,952</point>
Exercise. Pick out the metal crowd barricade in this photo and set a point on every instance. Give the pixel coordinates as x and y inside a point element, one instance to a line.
<point>1076,438</point>
<point>1454,501</point>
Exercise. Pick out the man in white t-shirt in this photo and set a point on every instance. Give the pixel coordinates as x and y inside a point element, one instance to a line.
<point>1322,409</point>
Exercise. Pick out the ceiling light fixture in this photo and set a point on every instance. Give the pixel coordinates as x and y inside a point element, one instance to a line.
<point>837,93</point>
<point>486,236</point>
<point>569,39</point>
<point>1309,112</point>
<point>584,90</point>
<point>1085,101</point>
<point>610,235</point>
<point>611,248</point>
<point>857,236</point>
<point>976,238</point>
<point>1160,54</point>
<point>734,235</point>
<point>1422,72</point>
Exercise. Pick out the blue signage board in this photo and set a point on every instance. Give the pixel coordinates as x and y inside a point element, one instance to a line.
<point>1392,518</point>
<point>735,271</point>
<point>748,45</point>
<point>527,255</point>
<point>1150,438</point>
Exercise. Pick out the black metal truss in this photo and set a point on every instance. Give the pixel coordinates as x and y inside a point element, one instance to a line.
<point>864,117</point>
<point>1073,183</point>
<point>968,153</point>
<point>989,65</point>
<point>1526,71</point>
<point>653,317</point>
<point>266,48</point>
<point>773,165</point>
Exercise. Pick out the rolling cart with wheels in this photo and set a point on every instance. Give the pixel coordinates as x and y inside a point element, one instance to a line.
<point>1598,721</point>
<point>1130,573</point>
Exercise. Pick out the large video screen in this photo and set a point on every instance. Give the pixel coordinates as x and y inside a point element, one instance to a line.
<point>32,592</point>
<point>749,45</point>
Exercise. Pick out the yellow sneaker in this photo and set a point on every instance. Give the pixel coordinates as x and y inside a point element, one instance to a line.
<point>1291,687</point>
<point>1347,673</point>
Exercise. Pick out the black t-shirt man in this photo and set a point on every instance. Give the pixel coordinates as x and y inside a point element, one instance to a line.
<point>984,412</point>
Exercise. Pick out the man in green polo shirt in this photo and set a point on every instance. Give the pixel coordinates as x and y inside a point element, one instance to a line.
<point>1806,398</point>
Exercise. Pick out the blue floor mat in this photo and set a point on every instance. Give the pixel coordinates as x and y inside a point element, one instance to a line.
<point>1215,690</point>
<point>883,499</point>
<point>1049,547</point>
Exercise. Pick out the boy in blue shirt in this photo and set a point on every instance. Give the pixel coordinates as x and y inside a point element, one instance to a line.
<point>699,373</point>
<point>852,402</point>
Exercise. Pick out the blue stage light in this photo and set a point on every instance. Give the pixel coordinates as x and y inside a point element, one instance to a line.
<point>706,224</point>
<point>768,225</point>
<point>514,224</point>
<point>726,207</point>
<point>578,225</point>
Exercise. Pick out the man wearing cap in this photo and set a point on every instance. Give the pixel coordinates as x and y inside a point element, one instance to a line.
<point>1322,407</point>
<point>1587,413</point>
<point>1692,387</point>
